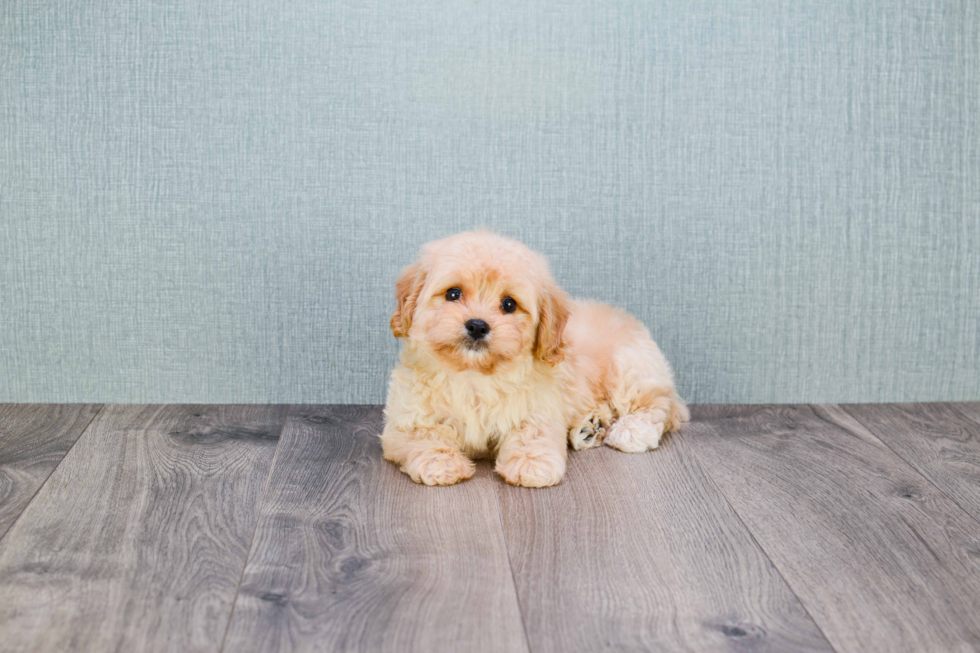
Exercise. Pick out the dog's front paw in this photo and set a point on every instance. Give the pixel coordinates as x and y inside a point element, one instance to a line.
<point>532,469</point>
<point>439,466</point>
<point>588,434</point>
<point>638,432</point>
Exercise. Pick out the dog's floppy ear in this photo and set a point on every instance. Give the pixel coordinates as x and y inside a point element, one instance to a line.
<point>407,292</point>
<point>553,311</point>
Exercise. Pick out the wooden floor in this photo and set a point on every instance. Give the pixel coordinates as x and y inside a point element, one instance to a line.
<point>277,528</point>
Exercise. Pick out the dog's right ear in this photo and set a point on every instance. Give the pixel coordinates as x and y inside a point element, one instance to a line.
<point>553,315</point>
<point>407,291</point>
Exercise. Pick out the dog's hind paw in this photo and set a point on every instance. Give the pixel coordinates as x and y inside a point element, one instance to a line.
<point>637,432</point>
<point>588,434</point>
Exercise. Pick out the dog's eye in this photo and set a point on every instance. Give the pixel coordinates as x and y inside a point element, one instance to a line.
<point>508,305</point>
<point>453,294</point>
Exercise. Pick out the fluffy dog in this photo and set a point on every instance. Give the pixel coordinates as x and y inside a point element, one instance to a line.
<point>498,361</point>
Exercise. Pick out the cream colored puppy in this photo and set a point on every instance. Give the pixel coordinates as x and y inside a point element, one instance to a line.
<point>498,361</point>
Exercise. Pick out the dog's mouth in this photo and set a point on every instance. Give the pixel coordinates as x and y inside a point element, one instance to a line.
<point>468,354</point>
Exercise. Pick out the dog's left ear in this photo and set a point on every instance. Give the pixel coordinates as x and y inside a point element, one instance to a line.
<point>407,291</point>
<point>553,312</point>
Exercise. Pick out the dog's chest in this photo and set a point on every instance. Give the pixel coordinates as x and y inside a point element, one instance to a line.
<point>483,411</point>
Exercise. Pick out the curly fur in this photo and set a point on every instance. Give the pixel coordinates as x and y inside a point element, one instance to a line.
<point>555,372</point>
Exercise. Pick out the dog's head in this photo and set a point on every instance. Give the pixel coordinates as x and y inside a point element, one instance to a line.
<point>478,300</point>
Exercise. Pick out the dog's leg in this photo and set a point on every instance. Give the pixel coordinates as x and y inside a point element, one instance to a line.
<point>642,393</point>
<point>533,455</point>
<point>429,455</point>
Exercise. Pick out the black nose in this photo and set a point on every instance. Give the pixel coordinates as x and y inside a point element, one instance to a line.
<point>478,329</point>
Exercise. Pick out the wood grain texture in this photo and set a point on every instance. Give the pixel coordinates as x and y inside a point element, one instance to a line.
<point>138,539</point>
<point>641,552</point>
<point>941,441</point>
<point>882,560</point>
<point>349,554</point>
<point>33,440</point>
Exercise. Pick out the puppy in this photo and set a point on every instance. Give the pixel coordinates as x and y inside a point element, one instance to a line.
<point>498,361</point>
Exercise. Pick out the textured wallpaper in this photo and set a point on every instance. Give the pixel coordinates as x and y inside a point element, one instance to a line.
<point>210,201</point>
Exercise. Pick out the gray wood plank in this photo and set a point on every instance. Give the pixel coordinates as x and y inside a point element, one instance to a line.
<point>349,554</point>
<point>941,441</point>
<point>642,552</point>
<point>882,560</point>
<point>138,539</point>
<point>33,440</point>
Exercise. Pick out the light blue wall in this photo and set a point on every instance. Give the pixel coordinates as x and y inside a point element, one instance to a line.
<point>210,200</point>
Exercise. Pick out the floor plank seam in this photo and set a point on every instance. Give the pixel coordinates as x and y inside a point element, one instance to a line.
<point>510,565</point>
<point>255,528</point>
<point>51,473</point>
<point>755,540</point>
<point>912,466</point>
